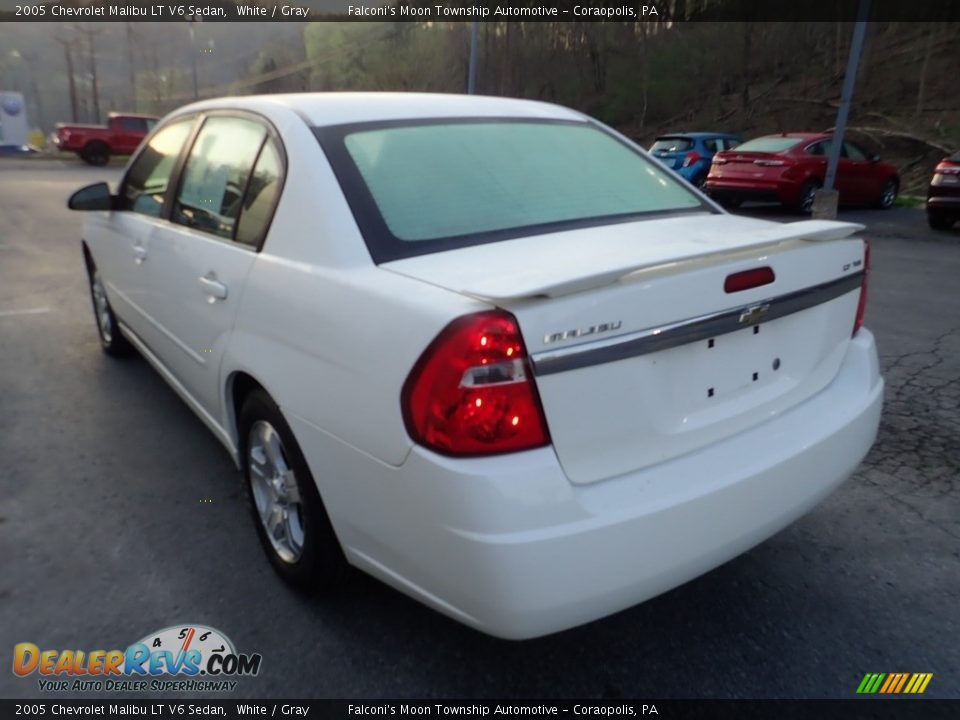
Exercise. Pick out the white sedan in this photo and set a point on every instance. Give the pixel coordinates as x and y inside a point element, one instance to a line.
<point>486,350</point>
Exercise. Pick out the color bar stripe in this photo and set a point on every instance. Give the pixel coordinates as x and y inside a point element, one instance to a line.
<point>903,680</point>
<point>862,688</point>
<point>911,684</point>
<point>926,681</point>
<point>876,683</point>
<point>890,680</point>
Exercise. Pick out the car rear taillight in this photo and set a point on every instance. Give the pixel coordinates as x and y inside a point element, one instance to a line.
<point>718,160</point>
<point>862,305</point>
<point>748,279</point>
<point>946,168</point>
<point>770,163</point>
<point>691,157</point>
<point>472,391</point>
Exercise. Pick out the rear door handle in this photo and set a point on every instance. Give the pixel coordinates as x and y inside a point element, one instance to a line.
<point>139,254</point>
<point>214,288</point>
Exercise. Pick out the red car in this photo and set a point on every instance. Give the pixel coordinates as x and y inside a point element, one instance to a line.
<point>96,143</point>
<point>789,168</point>
<point>943,195</point>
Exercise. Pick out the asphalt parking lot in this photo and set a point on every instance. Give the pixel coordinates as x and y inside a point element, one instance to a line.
<point>121,514</point>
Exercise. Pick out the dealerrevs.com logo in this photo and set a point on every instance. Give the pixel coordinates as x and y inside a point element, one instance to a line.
<point>182,658</point>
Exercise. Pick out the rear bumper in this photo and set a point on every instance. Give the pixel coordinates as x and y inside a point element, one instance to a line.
<point>509,546</point>
<point>756,190</point>
<point>946,204</point>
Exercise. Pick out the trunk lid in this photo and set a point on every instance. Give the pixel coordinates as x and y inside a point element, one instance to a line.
<point>593,297</point>
<point>750,165</point>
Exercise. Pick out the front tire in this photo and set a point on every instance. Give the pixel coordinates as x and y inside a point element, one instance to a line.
<point>289,515</point>
<point>888,195</point>
<point>112,340</point>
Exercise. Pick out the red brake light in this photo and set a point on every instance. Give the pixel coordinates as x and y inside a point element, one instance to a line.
<point>691,157</point>
<point>862,304</point>
<point>719,160</point>
<point>472,392</point>
<point>747,279</point>
<point>947,168</point>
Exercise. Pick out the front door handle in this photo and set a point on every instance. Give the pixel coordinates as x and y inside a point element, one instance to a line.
<point>139,254</point>
<point>214,288</point>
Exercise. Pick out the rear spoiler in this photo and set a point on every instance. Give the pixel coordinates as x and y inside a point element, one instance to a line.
<point>662,260</point>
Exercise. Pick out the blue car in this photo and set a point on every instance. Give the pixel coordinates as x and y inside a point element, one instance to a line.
<point>690,154</point>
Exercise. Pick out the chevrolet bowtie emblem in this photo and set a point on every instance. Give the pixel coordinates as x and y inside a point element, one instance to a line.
<point>754,314</point>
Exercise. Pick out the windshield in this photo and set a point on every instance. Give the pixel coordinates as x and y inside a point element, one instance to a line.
<point>431,186</point>
<point>771,144</point>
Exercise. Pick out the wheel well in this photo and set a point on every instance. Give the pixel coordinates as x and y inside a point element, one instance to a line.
<point>87,257</point>
<point>239,387</point>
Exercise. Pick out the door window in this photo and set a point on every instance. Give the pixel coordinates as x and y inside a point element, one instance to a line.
<point>146,182</point>
<point>261,198</point>
<point>854,152</point>
<point>216,173</point>
<point>136,125</point>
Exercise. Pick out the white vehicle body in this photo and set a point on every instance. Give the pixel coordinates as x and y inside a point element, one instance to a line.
<point>686,423</point>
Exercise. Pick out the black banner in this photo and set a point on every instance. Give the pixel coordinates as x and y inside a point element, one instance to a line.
<point>892,709</point>
<point>469,10</point>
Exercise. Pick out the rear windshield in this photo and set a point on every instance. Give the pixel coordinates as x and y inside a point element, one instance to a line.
<point>671,144</point>
<point>417,188</point>
<point>771,144</point>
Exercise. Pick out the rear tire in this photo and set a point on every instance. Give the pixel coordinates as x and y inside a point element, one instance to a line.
<point>95,153</point>
<point>112,340</point>
<point>940,221</point>
<point>291,520</point>
<point>807,194</point>
<point>888,195</point>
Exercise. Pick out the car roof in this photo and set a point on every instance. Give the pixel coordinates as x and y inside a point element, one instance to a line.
<point>697,135</point>
<point>338,108</point>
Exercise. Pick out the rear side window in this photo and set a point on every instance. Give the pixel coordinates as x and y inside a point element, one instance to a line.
<point>432,186</point>
<point>730,143</point>
<point>145,184</point>
<point>215,175</point>
<point>712,145</point>
<point>671,144</point>
<point>261,196</point>
<point>854,152</point>
<point>772,144</point>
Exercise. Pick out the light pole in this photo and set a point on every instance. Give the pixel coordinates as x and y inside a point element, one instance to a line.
<point>193,57</point>
<point>826,199</point>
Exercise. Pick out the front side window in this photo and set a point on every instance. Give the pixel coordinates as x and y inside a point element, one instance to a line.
<point>215,175</point>
<point>854,152</point>
<point>145,184</point>
<point>137,125</point>
<point>431,186</point>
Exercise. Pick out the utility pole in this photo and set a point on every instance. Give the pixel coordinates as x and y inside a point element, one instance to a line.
<point>68,56</point>
<point>472,73</point>
<point>90,33</point>
<point>132,77</point>
<point>193,57</point>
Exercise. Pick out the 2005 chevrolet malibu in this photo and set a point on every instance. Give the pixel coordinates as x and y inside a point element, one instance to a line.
<point>486,350</point>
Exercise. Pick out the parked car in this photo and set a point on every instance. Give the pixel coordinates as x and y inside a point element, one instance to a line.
<point>96,143</point>
<point>486,350</point>
<point>789,169</point>
<point>689,154</point>
<point>943,194</point>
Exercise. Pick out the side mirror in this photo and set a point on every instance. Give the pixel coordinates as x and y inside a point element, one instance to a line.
<point>874,158</point>
<point>92,197</point>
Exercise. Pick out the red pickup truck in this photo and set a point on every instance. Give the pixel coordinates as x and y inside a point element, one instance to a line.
<point>96,143</point>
